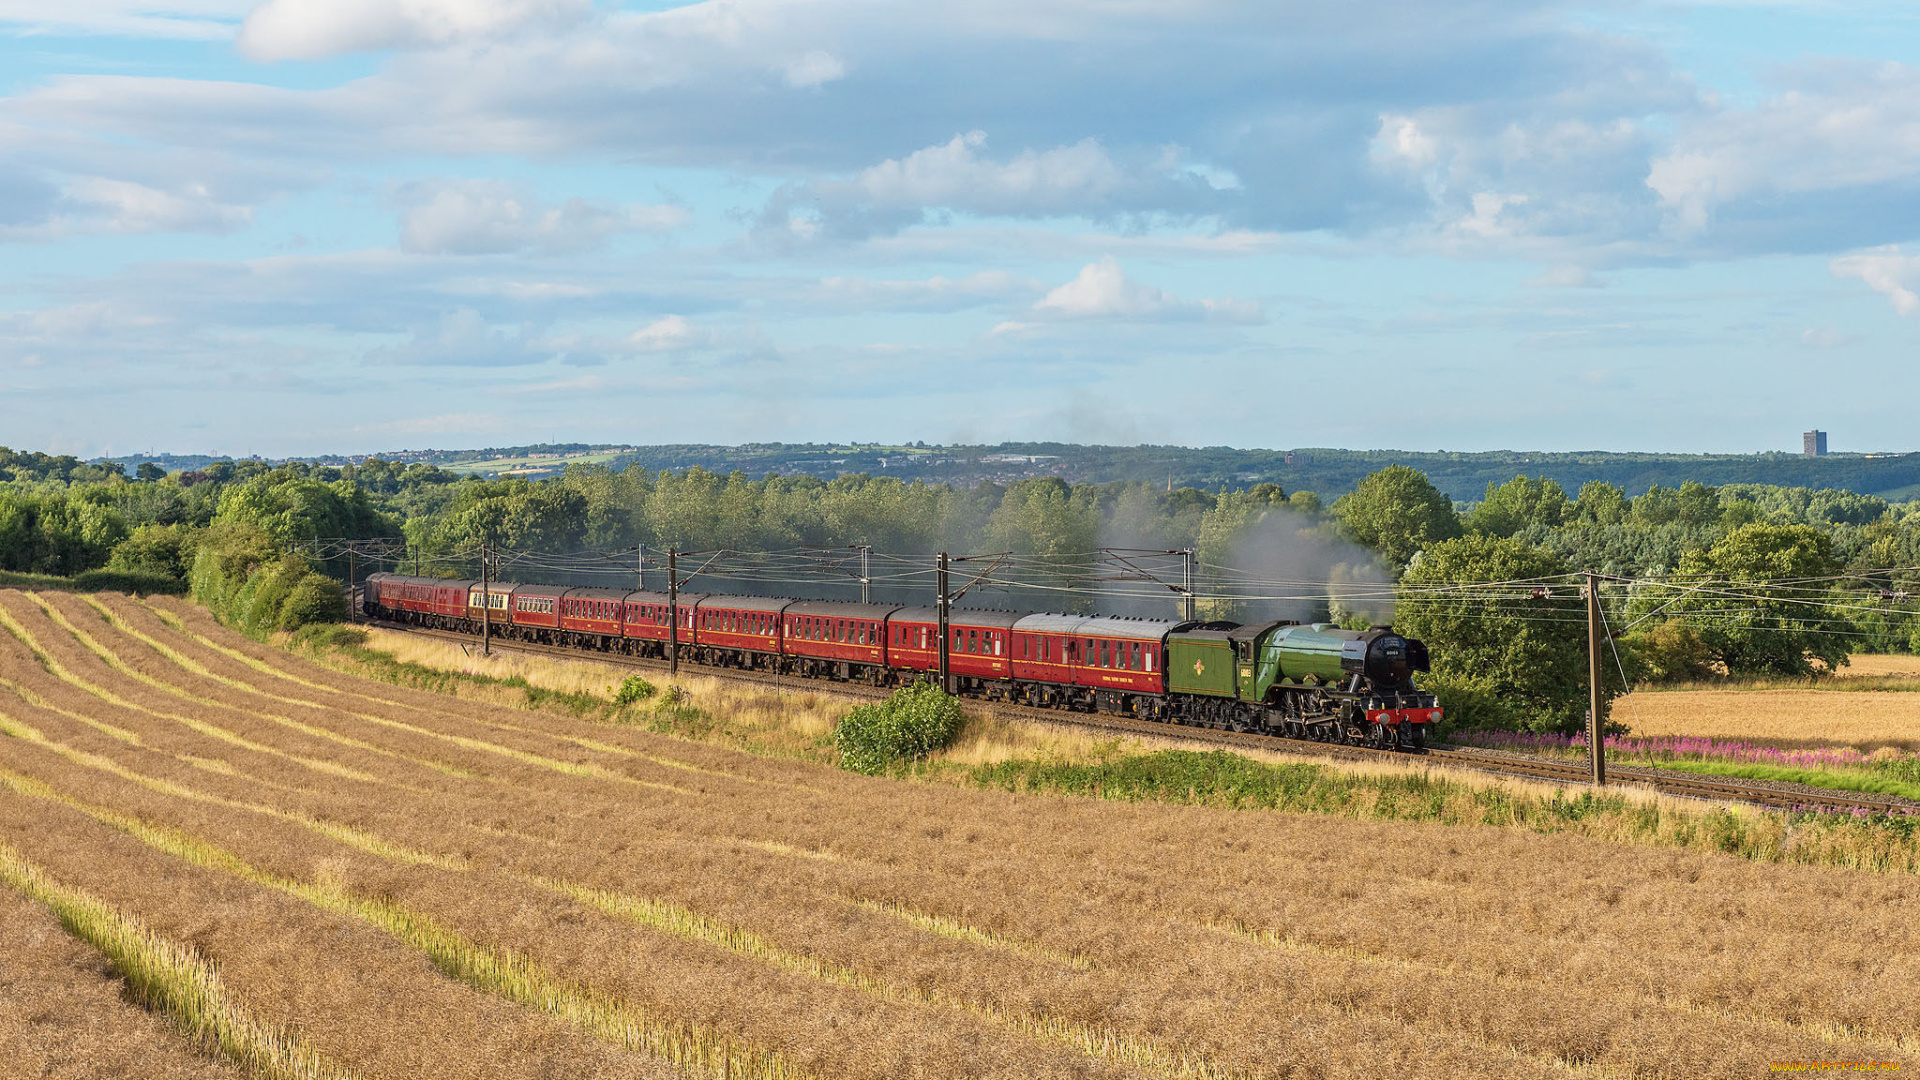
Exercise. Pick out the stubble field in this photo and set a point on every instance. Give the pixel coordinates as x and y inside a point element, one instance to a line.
<point>1872,702</point>
<point>218,859</point>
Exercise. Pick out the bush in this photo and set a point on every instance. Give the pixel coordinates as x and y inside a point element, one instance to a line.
<point>156,550</point>
<point>633,689</point>
<point>916,721</point>
<point>1673,652</point>
<point>129,581</point>
<point>241,576</point>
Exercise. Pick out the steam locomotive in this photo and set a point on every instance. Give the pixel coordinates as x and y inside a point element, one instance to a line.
<point>1313,681</point>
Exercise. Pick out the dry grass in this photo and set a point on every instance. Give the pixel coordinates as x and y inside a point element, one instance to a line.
<point>566,677</point>
<point>838,925</point>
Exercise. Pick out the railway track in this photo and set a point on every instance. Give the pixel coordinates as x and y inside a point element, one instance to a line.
<point>1665,781</point>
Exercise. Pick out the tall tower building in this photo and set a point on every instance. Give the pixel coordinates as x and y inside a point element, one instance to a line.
<point>1814,443</point>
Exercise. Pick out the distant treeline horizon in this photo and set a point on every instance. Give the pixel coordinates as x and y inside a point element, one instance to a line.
<point>1463,476</point>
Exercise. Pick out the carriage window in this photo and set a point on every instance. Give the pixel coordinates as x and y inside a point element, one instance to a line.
<point>996,643</point>
<point>1149,659</point>
<point>1135,665</point>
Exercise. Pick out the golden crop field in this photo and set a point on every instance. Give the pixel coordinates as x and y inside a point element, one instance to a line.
<point>1849,709</point>
<point>295,872</point>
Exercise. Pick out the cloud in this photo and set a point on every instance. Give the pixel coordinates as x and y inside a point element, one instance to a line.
<point>928,294</point>
<point>1078,180</point>
<point>91,205</point>
<point>477,217</point>
<point>442,424</point>
<point>1886,271</point>
<point>1102,290</point>
<point>201,20</point>
<point>1825,160</point>
<point>816,68</point>
<point>669,333</point>
<point>311,29</point>
<point>1355,120</point>
<point>461,338</point>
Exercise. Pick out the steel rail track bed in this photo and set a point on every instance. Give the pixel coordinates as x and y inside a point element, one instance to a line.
<point>1563,772</point>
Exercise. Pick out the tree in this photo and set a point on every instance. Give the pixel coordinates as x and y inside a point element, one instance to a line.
<point>1760,600</point>
<point>1501,657</point>
<point>1397,512</point>
<point>160,550</point>
<point>1600,503</point>
<point>148,472</point>
<point>1518,503</point>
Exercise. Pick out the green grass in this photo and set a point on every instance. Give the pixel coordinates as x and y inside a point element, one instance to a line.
<point>94,581</point>
<point>1837,779</point>
<point>1221,779</point>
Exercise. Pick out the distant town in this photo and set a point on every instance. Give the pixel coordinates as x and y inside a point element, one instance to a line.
<point>1463,476</point>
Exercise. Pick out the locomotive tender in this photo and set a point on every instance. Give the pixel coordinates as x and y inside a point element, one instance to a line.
<point>1308,682</point>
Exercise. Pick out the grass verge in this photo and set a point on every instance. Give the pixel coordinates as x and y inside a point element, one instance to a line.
<point>1837,779</point>
<point>1221,779</point>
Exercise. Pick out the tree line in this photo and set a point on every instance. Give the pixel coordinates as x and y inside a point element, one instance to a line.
<point>1821,572</point>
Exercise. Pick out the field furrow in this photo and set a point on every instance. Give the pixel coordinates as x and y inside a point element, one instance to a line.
<point>138,660</point>
<point>687,905</point>
<point>355,996</point>
<point>62,1014</point>
<point>518,940</point>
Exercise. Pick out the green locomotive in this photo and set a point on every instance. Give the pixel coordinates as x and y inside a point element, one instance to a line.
<point>1305,682</point>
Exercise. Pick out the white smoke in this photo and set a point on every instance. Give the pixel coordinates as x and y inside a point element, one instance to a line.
<point>1293,567</point>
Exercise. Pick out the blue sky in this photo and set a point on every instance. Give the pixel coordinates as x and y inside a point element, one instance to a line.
<point>306,226</point>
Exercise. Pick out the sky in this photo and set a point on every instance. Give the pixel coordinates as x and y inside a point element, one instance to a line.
<point>343,226</point>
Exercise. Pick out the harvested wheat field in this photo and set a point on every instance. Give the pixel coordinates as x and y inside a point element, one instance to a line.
<point>1873,701</point>
<point>218,858</point>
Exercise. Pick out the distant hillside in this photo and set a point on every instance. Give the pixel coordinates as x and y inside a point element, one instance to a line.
<point>1329,472</point>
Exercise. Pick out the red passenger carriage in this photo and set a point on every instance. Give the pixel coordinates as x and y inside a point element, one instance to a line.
<point>739,631</point>
<point>981,652</point>
<point>592,617</point>
<point>836,640</point>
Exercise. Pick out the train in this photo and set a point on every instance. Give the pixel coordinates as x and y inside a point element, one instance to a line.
<point>1305,681</point>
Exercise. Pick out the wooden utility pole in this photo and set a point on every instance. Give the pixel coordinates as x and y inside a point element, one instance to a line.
<point>945,606</point>
<point>1596,727</point>
<point>673,611</point>
<point>486,605</point>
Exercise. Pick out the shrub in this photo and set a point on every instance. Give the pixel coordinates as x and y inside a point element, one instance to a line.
<point>633,689</point>
<point>240,575</point>
<point>157,550</point>
<point>1673,652</point>
<point>916,721</point>
<point>128,581</point>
